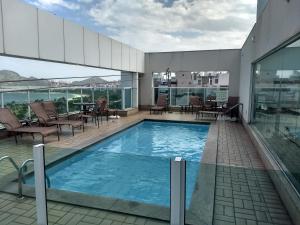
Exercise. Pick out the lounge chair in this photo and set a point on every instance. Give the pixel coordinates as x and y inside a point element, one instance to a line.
<point>51,110</point>
<point>45,120</point>
<point>103,110</point>
<point>13,125</point>
<point>161,104</point>
<point>196,103</point>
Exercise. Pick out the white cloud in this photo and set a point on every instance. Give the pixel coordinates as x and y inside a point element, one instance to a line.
<point>62,3</point>
<point>183,25</point>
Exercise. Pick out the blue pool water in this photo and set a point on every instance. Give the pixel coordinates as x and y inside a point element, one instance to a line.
<point>134,164</point>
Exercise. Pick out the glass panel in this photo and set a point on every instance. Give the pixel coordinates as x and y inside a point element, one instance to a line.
<point>179,96</point>
<point>115,98</point>
<point>160,90</point>
<point>276,113</point>
<point>17,102</point>
<point>100,93</point>
<point>39,95</point>
<point>128,98</point>
<point>59,96</point>
<point>74,97</point>
<point>197,92</point>
<point>87,95</point>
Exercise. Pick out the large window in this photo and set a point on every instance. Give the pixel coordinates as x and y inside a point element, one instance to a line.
<point>276,111</point>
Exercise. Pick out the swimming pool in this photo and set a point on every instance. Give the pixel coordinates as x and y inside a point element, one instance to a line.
<point>134,164</point>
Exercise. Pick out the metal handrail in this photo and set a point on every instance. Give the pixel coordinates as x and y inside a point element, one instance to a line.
<point>11,160</point>
<point>21,174</point>
<point>233,107</point>
<point>21,177</point>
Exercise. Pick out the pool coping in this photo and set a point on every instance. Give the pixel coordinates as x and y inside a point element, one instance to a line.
<point>204,192</point>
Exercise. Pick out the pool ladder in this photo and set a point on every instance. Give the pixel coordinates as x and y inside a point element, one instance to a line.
<point>20,170</point>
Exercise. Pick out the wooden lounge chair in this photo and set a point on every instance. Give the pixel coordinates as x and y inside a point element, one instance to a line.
<point>45,120</point>
<point>161,104</point>
<point>196,103</point>
<point>51,110</point>
<point>12,124</point>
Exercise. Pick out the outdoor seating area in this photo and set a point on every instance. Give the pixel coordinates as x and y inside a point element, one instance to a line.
<point>209,108</point>
<point>46,120</point>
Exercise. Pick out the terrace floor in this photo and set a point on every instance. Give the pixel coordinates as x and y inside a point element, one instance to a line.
<point>244,192</point>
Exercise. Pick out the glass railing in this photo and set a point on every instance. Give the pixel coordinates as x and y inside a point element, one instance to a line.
<point>181,96</point>
<point>64,98</point>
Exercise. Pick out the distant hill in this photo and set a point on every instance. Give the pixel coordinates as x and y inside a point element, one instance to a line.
<point>89,81</point>
<point>8,75</point>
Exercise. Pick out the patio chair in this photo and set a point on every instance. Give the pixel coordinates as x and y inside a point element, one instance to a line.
<point>161,104</point>
<point>90,113</point>
<point>13,125</point>
<point>45,120</point>
<point>210,104</point>
<point>102,109</point>
<point>196,103</point>
<point>228,106</point>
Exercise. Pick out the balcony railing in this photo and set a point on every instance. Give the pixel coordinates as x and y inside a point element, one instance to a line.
<point>181,96</point>
<point>64,98</point>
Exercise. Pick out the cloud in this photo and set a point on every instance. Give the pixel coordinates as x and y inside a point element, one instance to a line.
<point>163,25</point>
<point>48,3</point>
<point>156,25</point>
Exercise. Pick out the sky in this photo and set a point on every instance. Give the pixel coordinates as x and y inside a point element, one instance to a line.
<point>159,25</point>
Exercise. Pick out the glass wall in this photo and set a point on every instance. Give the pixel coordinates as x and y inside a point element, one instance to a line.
<point>276,110</point>
<point>64,98</point>
<point>181,96</point>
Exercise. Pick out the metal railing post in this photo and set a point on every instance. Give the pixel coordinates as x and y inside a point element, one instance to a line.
<point>131,93</point>
<point>81,98</point>
<point>177,192</point>
<point>188,97</point>
<point>40,185</point>
<point>67,102</point>
<point>93,94</point>
<point>28,107</point>
<point>123,98</point>
<point>170,96</point>
<point>2,100</point>
<point>107,96</point>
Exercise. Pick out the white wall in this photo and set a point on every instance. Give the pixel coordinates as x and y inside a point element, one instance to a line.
<point>125,57</point>
<point>116,51</point>
<point>91,48</point>
<point>105,51</point>
<point>74,52</point>
<point>212,60</point>
<point>20,28</point>
<point>51,36</point>
<point>33,33</point>
<point>133,58</point>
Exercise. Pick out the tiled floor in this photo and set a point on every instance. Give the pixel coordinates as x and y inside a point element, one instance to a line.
<point>244,192</point>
